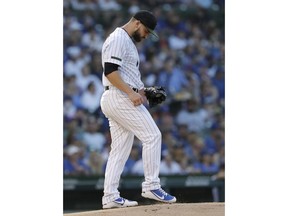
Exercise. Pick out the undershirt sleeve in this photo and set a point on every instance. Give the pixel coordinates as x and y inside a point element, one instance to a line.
<point>109,68</point>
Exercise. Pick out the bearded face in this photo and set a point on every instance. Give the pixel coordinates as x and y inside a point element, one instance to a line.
<point>137,36</point>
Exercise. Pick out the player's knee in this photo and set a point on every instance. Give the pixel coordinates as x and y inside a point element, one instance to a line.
<point>152,137</point>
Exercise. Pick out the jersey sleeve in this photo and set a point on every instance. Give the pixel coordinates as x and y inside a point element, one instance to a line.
<point>114,50</point>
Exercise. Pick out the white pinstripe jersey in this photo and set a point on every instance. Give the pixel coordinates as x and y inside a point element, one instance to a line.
<point>119,49</point>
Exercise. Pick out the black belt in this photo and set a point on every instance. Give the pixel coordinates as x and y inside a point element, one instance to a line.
<point>134,89</point>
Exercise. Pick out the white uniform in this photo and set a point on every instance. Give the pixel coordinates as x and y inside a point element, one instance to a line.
<point>127,120</point>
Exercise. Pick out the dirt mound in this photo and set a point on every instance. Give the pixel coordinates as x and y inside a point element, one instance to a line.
<point>176,209</point>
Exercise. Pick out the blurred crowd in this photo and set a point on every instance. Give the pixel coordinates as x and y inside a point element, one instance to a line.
<point>188,60</point>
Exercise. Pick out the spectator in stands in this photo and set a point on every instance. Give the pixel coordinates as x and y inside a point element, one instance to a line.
<point>96,65</point>
<point>219,156</point>
<point>72,131</point>
<point>70,87</point>
<point>182,135</point>
<point>107,5</point>
<point>178,41</point>
<point>168,142</point>
<point>96,163</point>
<point>178,153</point>
<point>90,99</point>
<point>73,32</point>
<point>73,163</point>
<point>168,166</point>
<point>74,64</point>
<point>69,108</point>
<point>215,140</point>
<point>207,164</point>
<point>193,115</point>
<point>209,93</point>
<point>82,5</point>
<point>81,117</point>
<point>167,121</point>
<point>196,147</point>
<point>137,168</point>
<point>193,85</point>
<point>186,166</point>
<point>92,40</point>
<point>172,77</point>
<point>180,157</point>
<point>71,90</point>
<point>86,77</point>
<point>134,156</point>
<point>92,137</point>
<point>219,82</point>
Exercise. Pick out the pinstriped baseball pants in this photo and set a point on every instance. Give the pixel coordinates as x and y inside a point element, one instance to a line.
<point>127,121</point>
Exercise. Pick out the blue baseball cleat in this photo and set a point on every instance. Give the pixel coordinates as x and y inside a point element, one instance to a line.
<point>159,195</point>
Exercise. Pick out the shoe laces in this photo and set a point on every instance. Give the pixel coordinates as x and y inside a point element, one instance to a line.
<point>163,192</point>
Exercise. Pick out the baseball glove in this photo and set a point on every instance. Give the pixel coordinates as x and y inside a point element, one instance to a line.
<point>155,95</point>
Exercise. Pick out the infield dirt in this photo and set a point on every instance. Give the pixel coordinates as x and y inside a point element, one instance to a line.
<point>176,209</point>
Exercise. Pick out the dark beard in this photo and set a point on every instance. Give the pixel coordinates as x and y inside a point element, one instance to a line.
<point>136,36</point>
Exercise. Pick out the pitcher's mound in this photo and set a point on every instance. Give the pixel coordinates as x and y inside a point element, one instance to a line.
<point>176,209</point>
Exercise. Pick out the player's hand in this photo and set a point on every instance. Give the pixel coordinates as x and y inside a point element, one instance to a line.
<point>142,93</point>
<point>135,98</point>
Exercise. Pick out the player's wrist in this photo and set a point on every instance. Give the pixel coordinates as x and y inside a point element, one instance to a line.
<point>141,92</point>
<point>130,91</point>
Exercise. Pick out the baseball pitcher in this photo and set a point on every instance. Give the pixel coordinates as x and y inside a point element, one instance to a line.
<point>122,103</point>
